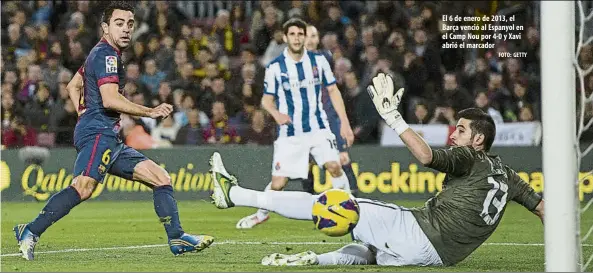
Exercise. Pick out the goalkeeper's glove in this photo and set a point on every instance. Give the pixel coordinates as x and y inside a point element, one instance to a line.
<point>386,102</point>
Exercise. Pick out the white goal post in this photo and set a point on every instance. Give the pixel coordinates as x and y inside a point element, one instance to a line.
<point>562,240</point>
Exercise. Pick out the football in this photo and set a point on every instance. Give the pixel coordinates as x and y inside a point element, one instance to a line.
<point>335,213</point>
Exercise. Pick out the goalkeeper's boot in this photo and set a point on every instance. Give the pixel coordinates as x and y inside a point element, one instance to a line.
<point>190,243</point>
<point>223,182</point>
<point>277,259</point>
<point>26,241</point>
<point>251,221</point>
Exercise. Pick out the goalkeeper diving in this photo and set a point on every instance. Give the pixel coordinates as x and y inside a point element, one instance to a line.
<point>447,229</point>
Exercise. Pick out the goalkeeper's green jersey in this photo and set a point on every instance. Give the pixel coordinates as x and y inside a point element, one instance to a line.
<point>476,190</point>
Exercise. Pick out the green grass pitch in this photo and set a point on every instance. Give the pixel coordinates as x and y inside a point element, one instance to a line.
<point>126,236</point>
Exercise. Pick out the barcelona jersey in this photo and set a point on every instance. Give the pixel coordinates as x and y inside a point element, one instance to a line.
<point>103,65</point>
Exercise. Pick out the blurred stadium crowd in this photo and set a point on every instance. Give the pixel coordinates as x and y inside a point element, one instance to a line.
<point>207,58</point>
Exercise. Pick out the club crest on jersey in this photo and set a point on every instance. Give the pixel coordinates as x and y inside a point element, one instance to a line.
<point>277,167</point>
<point>315,72</point>
<point>111,64</point>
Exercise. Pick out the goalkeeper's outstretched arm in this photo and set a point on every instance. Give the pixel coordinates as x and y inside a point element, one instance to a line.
<point>417,146</point>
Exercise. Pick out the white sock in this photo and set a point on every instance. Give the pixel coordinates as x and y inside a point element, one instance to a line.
<point>243,197</point>
<point>290,204</point>
<point>262,213</point>
<point>341,182</point>
<point>351,254</point>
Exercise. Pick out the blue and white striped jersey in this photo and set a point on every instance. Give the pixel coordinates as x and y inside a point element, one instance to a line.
<point>296,87</point>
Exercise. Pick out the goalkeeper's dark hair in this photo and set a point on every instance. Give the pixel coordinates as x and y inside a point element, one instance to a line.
<point>109,7</point>
<point>481,123</point>
<point>294,22</point>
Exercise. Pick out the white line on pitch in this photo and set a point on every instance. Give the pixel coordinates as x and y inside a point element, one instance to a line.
<point>238,243</point>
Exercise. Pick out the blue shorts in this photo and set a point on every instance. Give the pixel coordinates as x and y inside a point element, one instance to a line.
<point>101,154</point>
<point>334,126</point>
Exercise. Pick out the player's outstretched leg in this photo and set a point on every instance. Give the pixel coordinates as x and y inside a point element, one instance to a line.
<point>351,254</point>
<point>227,193</point>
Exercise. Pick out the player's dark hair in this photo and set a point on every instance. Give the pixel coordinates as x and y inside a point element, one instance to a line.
<point>481,123</point>
<point>113,5</point>
<point>294,22</point>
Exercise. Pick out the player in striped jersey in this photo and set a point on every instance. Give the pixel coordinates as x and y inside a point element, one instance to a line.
<point>292,95</point>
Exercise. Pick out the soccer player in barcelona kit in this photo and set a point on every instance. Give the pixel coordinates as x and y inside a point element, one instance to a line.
<point>447,229</point>
<point>96,91</point>
<point>292,96</point>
